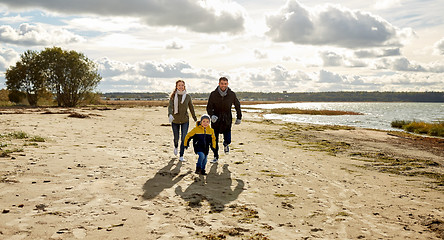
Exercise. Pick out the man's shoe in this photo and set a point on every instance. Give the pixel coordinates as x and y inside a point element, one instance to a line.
<point>181,159</point>
<point>214,160</point>
<point>197,171</point>
<point>226,149</point>
<point>175,151</point>
<point>202,172</point>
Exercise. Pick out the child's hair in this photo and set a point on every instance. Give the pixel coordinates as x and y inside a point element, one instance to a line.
<point>175,89</point>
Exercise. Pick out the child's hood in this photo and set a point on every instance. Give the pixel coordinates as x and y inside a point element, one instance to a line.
<point>199,124</point>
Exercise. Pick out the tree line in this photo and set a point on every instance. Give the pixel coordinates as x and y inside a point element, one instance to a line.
<point>307,96</point>
<point>66,76</point>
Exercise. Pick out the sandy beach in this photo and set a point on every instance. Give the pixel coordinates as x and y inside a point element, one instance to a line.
<point>113,175</point>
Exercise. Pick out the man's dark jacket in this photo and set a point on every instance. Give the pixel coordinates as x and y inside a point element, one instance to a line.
<point>221,107</point>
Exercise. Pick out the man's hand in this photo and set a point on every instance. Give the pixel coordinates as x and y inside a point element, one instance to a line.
<point>238,121</point>
<point>214,118</point>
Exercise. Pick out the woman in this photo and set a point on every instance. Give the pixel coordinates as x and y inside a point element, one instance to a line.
<point>180,101</point>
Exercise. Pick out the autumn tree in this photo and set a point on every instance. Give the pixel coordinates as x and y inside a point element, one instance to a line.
<point>69,75</point>
<point>26,77</point>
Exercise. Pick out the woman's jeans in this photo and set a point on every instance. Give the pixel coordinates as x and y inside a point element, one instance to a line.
<point>184,130</point>
<point>201,161</point>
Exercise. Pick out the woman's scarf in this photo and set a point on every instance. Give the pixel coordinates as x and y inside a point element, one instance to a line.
<point>176,99</point>
<point>222,93</point>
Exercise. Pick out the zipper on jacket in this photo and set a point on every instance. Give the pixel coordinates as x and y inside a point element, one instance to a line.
<point>205,137</point>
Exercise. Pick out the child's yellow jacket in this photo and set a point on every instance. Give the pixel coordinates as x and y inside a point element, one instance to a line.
<point>202,137</point>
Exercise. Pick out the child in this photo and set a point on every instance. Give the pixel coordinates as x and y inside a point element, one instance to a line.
<point>203,137</point>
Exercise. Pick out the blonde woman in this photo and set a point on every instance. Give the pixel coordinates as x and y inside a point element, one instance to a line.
<point>178,107</point>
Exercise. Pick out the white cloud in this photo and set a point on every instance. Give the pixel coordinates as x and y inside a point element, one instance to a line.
<point>120,76</point>
<point>343,59</point>
<point>330,77</point>
<point>8,57</point>
<point>109,68</point>
<point>32,35</point>
<point>259,54</point>
<point>374,53</point>
<point>200,16</point>
<point>408,81</point>
<point>331,58</point>
<point>439,47</point>
<point>277,78</point>
<point>385,4</point>
<point>103,24</point>
<point>175,44</point>
<point>403,64</point>
<point>219,49</point>
<point>332,25</point>
<point>14,19</point>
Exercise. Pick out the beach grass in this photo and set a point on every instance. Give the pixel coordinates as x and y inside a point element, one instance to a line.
<point>432,129</point>
<point>15,141</point>
<point>15,135</point>
<point>311,111</point>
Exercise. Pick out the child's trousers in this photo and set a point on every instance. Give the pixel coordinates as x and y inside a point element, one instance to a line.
<point>201,161</point>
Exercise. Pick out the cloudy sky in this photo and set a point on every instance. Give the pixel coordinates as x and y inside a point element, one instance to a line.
<point>263,46</point>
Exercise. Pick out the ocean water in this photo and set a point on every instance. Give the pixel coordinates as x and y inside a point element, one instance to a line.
<point>376,115</point>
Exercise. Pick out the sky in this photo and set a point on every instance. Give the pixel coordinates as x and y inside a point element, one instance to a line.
<point>259,45</point>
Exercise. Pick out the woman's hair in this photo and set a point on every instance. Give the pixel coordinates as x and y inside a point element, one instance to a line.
<point>175,89</point>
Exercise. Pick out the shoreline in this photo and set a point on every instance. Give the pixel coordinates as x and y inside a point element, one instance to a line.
<point>113,175</point>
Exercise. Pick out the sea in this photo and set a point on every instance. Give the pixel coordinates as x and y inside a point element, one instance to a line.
<point>375,115</point>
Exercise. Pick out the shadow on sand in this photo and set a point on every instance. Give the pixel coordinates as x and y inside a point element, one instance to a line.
<point>165,178</point>
<point>217,189</point>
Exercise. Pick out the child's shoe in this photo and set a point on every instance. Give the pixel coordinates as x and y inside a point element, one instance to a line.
<point>214,160</point>
<point>181,159</point>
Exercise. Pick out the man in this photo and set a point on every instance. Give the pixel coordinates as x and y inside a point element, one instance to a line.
<point>219,108</point>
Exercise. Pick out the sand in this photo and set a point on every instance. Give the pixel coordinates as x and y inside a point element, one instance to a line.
<point>113,175</point>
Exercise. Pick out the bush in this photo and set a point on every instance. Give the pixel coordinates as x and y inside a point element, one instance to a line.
<point>16,96</point>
